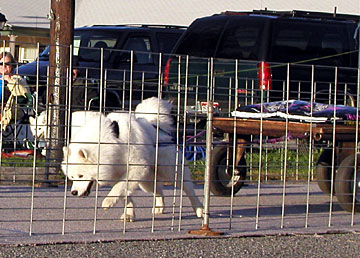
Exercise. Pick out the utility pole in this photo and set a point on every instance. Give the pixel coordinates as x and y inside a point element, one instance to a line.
<point>61,38</point>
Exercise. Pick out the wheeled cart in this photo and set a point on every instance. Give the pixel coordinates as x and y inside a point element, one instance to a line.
<point>336,173</point>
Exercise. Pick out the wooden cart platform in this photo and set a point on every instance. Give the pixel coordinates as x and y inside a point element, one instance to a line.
<point>275,128</point>
<point>342,136</point>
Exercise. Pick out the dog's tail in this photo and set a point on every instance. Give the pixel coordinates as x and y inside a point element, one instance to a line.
<point>154,110</point>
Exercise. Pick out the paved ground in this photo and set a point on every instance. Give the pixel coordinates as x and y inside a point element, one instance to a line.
<point>39,217</point>
<point>329,245</point>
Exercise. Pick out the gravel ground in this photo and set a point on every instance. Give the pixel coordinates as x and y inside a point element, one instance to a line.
<point>328,245</point>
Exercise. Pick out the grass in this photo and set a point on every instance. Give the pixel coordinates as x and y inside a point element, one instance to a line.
<point>272,164</point>
<point>22,162</point>
<point>299,165</point>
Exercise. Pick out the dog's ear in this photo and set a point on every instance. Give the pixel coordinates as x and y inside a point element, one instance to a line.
<point>44,118</point>
<point>32,120</point>
<point>115,128</point>
<point>66,151</point>
<point>83,153</point>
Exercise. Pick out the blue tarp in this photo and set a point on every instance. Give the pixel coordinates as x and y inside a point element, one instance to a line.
<point>299,110</point>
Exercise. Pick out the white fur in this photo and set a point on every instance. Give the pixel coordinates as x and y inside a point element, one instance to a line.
<point>85,160</point>
<point>39,129</point>
<point>38,126</point>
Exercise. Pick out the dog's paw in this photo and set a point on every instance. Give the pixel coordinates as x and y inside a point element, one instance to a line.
<point>109,202</point>
<point>158,210</point>
<point>127,218</point>
<point>199,212</point>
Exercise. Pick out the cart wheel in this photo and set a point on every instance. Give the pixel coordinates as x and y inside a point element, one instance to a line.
<point>323,172</point>
<point>344,184</point>
<point>221,174</point>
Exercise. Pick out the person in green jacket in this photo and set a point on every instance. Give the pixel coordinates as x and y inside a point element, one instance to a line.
<point>16,90</point>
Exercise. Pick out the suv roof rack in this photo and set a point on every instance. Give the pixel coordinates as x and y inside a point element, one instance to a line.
<point>300,13</point>
<point>142,26</point>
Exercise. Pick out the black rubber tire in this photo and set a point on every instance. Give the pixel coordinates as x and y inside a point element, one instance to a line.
<point>220,180</point>
<point>323,172</point>
<point>344,184</point>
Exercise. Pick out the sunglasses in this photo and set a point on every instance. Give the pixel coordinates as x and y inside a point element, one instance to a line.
<point>3,64</point>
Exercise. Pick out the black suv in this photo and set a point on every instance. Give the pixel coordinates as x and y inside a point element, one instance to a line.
<point>266,50</point>
<point>113,44</point>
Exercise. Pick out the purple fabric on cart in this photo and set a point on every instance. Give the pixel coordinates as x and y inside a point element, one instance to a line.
<point>299,107</point>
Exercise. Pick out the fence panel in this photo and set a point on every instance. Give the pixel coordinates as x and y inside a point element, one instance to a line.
<point>276,165</point>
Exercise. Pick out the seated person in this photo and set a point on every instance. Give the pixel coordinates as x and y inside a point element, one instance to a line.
<point>15,88</point>
<point>82,91</point>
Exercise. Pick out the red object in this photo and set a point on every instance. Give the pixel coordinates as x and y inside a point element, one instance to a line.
<point>166,72</point>
<point>264,76</point>
<point>19,153</point>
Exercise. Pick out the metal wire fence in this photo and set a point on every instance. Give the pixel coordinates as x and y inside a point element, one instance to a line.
<point>284,162</point>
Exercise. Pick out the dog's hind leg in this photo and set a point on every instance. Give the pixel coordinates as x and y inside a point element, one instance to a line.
<point>195,202</point>
<point>188,186</point>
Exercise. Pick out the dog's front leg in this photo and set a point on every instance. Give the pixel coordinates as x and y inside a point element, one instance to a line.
<point>129,210</point>
<point>117,191</point>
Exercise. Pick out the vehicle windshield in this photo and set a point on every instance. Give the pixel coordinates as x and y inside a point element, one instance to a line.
<point>83,40</point>
<point>44,55</point>
<point>88,44</point>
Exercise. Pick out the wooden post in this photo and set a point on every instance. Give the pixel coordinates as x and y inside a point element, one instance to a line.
<point>61,38</point>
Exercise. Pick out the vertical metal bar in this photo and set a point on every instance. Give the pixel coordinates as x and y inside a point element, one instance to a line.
<point>2,98</point>
<point>345,94</point>
<point>246,92</point>
<point>128,140</point>
<point>234,145</point>
<point>286,145</point>
<point>195,116</point>
<point>184,139</point>
<point>356,151</point>
<point>310,150</point>
<point>156,145</point>
<point>99,141</point>
<point>178,121</point>
<point>251,136</point>
<point>208,150</point>
<point>230,96</point>
<point>68,116</point>
<point>143,84</point>
<point>298,142</point>
<point>105,91</point>
<point>329,93</point>
<point>260,159</point>
<point>333,153</point>
<point>124,90</point>
<point>34,160</point>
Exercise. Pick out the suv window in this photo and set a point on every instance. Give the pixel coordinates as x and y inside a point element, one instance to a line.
<point>302,41</point>
<point>142,49</point>
<point>241,40</point>
<point>202,40</point>
<point>166,41</point>
<point>91,43</point>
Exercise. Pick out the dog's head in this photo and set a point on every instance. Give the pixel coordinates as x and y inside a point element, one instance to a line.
<point>38,126</point>
<point>79,167</point>
<point>83,163</point>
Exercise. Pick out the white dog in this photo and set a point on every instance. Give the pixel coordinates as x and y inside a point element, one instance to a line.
<point>39,126</point>
<point>126,155</point>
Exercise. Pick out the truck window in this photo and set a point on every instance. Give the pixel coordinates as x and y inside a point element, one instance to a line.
<point>202,38</point>
<point>142,49</point>
<point>241,40</point>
